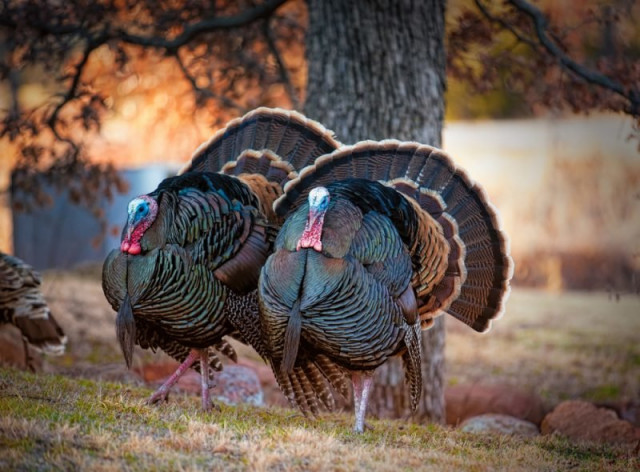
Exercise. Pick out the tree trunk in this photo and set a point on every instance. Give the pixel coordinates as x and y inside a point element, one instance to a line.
<point>376,71</point>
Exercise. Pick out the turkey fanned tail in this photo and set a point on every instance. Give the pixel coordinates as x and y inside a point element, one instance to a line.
<point>477,266</point>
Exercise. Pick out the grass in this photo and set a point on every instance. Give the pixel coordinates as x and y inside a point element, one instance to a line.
<point>558,345</point>
<point>50,422</point>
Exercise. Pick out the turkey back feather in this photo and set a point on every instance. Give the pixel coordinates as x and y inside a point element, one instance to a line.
<point>473,267</point>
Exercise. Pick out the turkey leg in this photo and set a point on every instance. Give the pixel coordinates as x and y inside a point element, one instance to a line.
<point>162,393</point>
<point>362,384</point>
<point>356,381</point>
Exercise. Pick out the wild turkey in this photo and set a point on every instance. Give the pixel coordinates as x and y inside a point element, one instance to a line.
<point>22,304</point>
<point>365,263</point>
<point>187,269</point>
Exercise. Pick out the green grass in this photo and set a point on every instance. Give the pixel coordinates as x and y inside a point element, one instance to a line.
<point>50,422</point>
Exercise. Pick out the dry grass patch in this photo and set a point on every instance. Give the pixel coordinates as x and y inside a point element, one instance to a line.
<point>559,345</point>
<point>53,422</point>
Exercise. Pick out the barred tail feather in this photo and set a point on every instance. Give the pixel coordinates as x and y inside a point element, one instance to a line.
<point>488,265</point>
<point>224,347</point>
<point>372,160</point>
<point>265,163</point>
<point>288,134</point>
<point>411,361</point>
<point>265,174</point>
<point>311,384</point>
<point>43,333</point>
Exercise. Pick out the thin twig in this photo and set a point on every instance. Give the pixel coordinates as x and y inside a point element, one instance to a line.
<point>69,96</point>
<point>226,101</point>
<point>506,25</point>
<point>284,73</point>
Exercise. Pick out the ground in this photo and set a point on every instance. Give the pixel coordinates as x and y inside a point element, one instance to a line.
<point>557,345</point>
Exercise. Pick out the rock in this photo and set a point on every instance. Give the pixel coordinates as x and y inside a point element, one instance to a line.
<point>499,424</point>
<point>273,396</point>
<point>264,372</point>
<point>628,410</point>
<point>583,421</point>
<point>468,400</point>
<point>238,384</point>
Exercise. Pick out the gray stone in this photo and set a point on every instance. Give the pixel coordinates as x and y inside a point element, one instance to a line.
<point>499,424</point>
<point>238,384</point>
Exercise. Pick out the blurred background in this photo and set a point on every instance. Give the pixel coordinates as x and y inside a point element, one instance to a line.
<point>567,185</point>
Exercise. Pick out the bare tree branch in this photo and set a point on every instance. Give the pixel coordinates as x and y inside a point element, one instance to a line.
<point>541,27</point>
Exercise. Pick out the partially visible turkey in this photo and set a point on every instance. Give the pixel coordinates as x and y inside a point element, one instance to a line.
<point>187,269</point>
<point>360,266</point>
<point>22,304</point>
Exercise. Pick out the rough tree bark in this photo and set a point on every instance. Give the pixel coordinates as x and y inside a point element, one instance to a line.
<point>376,71</point>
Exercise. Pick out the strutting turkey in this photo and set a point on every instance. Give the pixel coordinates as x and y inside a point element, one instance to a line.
<point>22,304</point>
<point>362,264</point>
<point>187,270</point>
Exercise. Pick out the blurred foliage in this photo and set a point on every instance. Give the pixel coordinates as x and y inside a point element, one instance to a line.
<point>84,84</point>
<point>492,73</point>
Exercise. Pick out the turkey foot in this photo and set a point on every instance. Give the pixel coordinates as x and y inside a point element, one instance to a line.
<point>205,383</point>
<point>195,354</point>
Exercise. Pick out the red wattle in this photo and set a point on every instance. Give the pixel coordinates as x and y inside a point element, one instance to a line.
<point>135,249</point>
<point>312,233</point>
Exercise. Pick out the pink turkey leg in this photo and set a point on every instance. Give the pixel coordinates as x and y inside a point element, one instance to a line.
<point>163,391</point>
